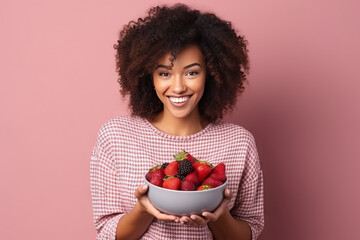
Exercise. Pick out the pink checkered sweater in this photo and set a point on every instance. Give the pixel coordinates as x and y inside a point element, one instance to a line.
<point>127,147</point>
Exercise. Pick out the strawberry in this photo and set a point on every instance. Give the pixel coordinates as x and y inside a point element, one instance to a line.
<point>191,158</point>
<point>218,172</point>
<point>192,177</point>
<point>172,169</point>
<point>187,186</point>
<point>155,171</point>
<point>157,180</point>
<point>203,169</point>
<point>212,182</point>
<point>203,187</point>
<point>173,183</point>
<point>184,155</point>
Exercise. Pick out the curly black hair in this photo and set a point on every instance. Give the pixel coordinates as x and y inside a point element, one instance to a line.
<point>170,29</point>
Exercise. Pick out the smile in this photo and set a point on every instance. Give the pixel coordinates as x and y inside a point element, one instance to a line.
<point>178,99</point>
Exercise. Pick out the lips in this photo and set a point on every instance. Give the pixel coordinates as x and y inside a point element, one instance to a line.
<point>178,99</point>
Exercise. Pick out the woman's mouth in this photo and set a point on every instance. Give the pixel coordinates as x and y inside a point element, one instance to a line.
<point>179,101</point>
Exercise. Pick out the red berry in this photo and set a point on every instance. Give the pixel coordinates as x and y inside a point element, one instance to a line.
<point>212,182</point>
<point>191,158</point>
<point>192,177</point>
<point>149,176</point>
<point>173,183</point>
<point>184,155</point>
<point>158,170</point>
<point>157,180</point>
<point>187,186</point>
<point>203,169</point>
<point>203,187</point>
<point>172,169</point>
<point>218,172</point>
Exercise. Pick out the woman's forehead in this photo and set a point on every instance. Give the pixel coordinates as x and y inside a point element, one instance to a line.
<point>188,55</point>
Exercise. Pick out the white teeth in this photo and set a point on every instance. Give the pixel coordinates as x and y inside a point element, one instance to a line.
<point>179,100</point>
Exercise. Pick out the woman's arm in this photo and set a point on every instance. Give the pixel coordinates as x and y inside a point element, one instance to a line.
<point>220,222</point>
<point>227,227</point>
<point>133,224</point>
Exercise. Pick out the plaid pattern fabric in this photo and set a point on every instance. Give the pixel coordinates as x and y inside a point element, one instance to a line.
<point>127,147</point>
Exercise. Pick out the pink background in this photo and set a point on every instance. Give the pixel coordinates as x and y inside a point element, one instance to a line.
<point>58,85</point>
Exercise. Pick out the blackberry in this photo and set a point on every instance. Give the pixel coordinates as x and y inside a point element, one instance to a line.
<point>164,165</point>
<point>181,177</point>
<point>185,167</point>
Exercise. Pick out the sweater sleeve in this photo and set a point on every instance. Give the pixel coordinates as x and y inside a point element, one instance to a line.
<point>104,193</point>
<point>249,203</point>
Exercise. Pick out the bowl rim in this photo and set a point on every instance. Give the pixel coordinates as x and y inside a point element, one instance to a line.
<point>186,192</point>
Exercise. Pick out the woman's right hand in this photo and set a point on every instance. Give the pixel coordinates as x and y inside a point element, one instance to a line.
<point>144,205</point>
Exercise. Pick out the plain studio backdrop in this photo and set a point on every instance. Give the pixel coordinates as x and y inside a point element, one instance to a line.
<point>58,86</point>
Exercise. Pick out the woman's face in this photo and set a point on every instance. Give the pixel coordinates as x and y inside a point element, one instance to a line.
<point>181,87</point>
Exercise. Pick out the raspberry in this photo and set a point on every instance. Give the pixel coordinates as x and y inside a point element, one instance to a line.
<point>185,167</point>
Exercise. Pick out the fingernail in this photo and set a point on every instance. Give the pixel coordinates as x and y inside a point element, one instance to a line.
<point>193,217</point>
<point>145,187</point>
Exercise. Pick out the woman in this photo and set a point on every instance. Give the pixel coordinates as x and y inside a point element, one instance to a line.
<point>182,70</point>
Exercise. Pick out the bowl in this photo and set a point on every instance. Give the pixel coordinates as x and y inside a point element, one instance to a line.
<point>185,203</point>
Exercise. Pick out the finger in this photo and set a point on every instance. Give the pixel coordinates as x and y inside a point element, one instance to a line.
<point>209,216</point>
<point>198,220</point>
<point>226,199</point>
<point>184,219</point>
<point>227,194</point>
<point>166,217</point>
<point>141,190</point>
<point>162,216</point>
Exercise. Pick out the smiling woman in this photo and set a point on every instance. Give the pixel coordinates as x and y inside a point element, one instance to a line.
<point>180,86</point>
<point>182,70</point>
<point>169,30</point>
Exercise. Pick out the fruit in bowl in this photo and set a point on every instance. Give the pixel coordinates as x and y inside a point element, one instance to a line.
<point>186,185</point>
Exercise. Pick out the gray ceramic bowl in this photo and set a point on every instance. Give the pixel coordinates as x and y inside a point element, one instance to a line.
<point>182,203</point>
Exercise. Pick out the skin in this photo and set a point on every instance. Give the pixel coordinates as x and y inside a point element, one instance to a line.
<point>186,78</point>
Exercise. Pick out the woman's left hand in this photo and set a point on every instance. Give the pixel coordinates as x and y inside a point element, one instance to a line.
<point>196,220</point>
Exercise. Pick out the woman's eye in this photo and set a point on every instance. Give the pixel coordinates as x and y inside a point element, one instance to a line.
<point>191,73</point>
<point>164,74</point>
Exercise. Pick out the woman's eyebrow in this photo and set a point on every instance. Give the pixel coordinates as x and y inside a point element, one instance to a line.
<point>169,67</point>
<point>191,65</point>
<point>163,66</point>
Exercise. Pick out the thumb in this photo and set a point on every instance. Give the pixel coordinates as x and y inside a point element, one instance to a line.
<point>141,190</point>
<point>227,194</point>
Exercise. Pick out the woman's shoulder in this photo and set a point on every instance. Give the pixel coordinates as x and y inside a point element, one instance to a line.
<point>232,130</point>
<point>125,120</point>
<point>121,124</point>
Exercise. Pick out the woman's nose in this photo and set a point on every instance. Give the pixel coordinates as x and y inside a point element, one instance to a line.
<point>178,84</point>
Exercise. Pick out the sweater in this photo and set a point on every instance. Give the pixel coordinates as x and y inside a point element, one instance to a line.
<point>127,147</point>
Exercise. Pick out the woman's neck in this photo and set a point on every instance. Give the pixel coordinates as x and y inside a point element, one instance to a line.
<point>178,126</point>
